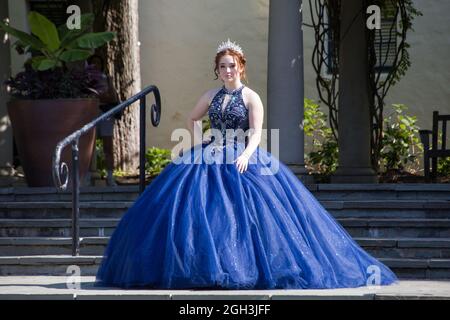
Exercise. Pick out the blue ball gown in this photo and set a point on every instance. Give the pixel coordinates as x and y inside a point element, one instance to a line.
<point>202,224</point>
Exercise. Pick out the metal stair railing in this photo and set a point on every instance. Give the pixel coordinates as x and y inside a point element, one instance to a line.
<point>61,170</point>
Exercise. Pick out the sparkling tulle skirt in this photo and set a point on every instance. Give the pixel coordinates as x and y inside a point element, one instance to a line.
<point>202,224</point>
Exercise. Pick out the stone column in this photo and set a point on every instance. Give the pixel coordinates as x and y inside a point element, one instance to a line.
<point>285,83</point>
<point>354,118</point>
<point>6,138</point>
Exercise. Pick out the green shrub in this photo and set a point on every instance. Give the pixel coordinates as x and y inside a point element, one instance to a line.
<point>443,168</point>
<point>206,125</point>
<point>156,160</point>
<point>100,158</point>
<point>323,158</point>
<point>401,147</point>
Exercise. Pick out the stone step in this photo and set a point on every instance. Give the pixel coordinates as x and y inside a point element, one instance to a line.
<point>436,248</point>
<point>411,209</point>
<point>52,209</point>
<point>412,248</point>
<point>48,265</point>
<point>357,227</point>
<point>338,208</point>
<point>396,228</point>
<point>24,194</point>
<point>414,191</point>
<point>29,246</point>
<point>57,288</point>
<point>55,227</point>
<point>419,268</point>
<point>382,191</point>
<point>57,265</point>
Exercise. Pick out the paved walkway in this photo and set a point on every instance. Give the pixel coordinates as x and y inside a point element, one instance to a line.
<point>55,288</point>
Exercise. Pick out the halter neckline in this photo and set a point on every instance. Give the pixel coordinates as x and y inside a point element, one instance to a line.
<point>226,91</point>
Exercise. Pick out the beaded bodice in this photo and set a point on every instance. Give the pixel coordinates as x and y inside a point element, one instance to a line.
<point>232,115</point>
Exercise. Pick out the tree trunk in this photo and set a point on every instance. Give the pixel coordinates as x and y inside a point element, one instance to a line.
<point>122,64</point>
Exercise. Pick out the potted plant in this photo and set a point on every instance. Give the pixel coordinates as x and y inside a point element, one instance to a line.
<point>55,94</point>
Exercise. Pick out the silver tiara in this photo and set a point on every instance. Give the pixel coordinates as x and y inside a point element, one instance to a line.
<point>229,45</point>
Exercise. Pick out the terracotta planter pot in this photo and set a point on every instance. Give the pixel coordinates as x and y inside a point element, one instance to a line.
<point>38,125</point>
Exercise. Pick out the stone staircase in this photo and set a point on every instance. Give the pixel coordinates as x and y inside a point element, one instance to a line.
<point>407,226</point>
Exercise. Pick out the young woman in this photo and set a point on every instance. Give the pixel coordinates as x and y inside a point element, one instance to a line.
<point>227,214</point>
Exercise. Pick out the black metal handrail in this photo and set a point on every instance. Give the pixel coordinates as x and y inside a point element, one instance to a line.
<point>62,169</point>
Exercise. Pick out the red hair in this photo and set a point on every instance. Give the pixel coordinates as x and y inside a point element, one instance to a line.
<point>237,56</point>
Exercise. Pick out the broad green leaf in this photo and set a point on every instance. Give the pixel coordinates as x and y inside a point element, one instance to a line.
<point>406,121</point>
<point>45,30</point>
<point>36,61</point>
<point>75,55</point>
<point>95,40</point>
<point>46,64</point>
<point>25,38</point>
<point>68,36</point>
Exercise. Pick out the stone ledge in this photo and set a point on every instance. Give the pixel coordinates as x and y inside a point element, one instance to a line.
<point>51,241</point>
<point>53,287</point>
<point>375,242</point>
<point>311,187</point>
<point>405,263</point>
<point>383,186</point>
<point>328,204</point>
<point>66,205</point>
<point>416,203</point>
<point>424,243</point>
<point>112,222</point>
<point>440,243</point>
<point>387,222</point>
<point>53,190</point>
<point>43,260</point>
<point>439,263</point>
<point>63,223</point>
<point>67,259</point>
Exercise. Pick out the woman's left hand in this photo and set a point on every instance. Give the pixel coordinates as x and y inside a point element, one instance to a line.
<point>241,163</point>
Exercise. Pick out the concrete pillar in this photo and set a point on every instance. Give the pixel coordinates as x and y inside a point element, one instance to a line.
<point>285,83</point>
<point>6,139</point>
<point>354,118</point>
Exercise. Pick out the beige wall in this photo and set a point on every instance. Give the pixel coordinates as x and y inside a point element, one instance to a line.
<point>5,127</point>
<point>426,85</point>
<point>16,11</point>
<point>179,38</point>
<point>178,43</point>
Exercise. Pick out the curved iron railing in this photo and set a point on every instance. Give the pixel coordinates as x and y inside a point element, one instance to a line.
<point>61,170</point>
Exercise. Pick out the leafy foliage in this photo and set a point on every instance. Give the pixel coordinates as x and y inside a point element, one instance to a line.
<point>323,158</point>
<point>100,158</point>
<point>401,143</point>
<point>401,147</point>
<point>51,71</point>
<point>326,18</point>
<point>52,47</point>
<point>78,82</point>
<point>156,160</point>
<point>443,167</point>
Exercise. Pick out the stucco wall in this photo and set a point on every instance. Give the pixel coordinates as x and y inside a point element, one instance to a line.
<point>5,127</point>
<point>16,12</point>
<point>178,44</point>
<point>178,40</point>
<point>426,85</point>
